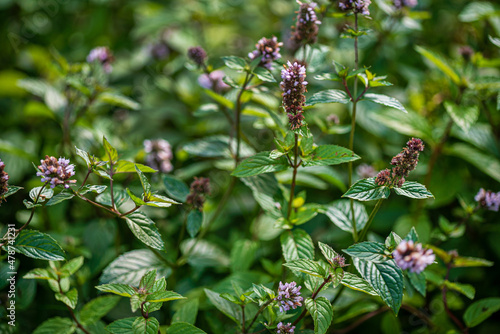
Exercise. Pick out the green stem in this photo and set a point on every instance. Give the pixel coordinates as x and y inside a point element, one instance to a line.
<point>363,233</point>
<point>295,166</point>
<point>314,295</point>
<point>237,122</point>
<point>261,309</point>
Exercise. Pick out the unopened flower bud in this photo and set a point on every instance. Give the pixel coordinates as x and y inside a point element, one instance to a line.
<point>199,189</point>
<point>197,54</point>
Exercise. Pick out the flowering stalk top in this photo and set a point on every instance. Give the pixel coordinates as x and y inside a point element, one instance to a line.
<point>199,188</point>
<point>102,55</point>
<point>4,177</point>
<point>197,54</point>
<point>357,6</point>
<point>413,257</point>
<point>404,163</point>
<point>306,28</point>
<point>289,296</point>
<point>268,49</point>
<point>57,172</point>
<point>398,4</point>
<point>488,199</point>
<point>285,329</point>
<point>293,86</point>
<point>159,155</point>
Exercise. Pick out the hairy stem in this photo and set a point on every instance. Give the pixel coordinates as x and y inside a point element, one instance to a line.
<point>363,233</point>
<point>295,166</point>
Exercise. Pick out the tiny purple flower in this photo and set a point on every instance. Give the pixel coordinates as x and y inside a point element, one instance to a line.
<point>365,171</point>
<point>398,4</point>
<point>4,178</point>
<point>213,81</point>
<point>306,28</point>
<point>293,86</point>
<point>159,155</point>
<point>268,50</point>
<point>357,6</point>
<point>102,55</point>
<point>285,329</point>
<point>289,296</point>
<point>413,257</point>
<point>488,199</point>
<point>57,172</point>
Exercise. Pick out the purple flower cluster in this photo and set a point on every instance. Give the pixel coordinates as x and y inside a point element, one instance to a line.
<point>357,6</point>
<point>339,261</point>
<point>103,55</point>
<point>268,49</point>
<point>197,54</point>
<point>4,178</point>
<point>199,188</point>
<point>404,163</point>
<point>294,87</point>
<point>398,4</point>
<point>306,28</point>
<point>488,199</point>
<point>57,172</point>
<point>289,296</point>
<point>285,329</point>
<point>159,155</point>
<point>213,81</point>
<point>413,257</point>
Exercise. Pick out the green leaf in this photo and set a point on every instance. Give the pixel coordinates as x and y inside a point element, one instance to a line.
<point>260,163</point>
<point>137,200</point>
<point>368,251</point>
<point>148,280</point>
<point>118,100</point>
<point>463,116</point>
<point>194,221</point>
<point>328,96</point>
<point>265,190</point>
<point>340,214</point>
<point>175,188</point>
<point>236,63</point>
<point>34,86</point>
<point>475,11</point>
<point>123,326</point>
<point>466,289</point>
<point>56,325</point>
<point>325,155</point>
<point>357,283</point>
<point>61,197</point>
<point>392,241</point>
<point>264,74</point>
<point>232,311</point>
<point>40,273</point>
<point>413,190</point>
<point>118,289</point>
<point>123,166</point>
<point>130,267</point>
<point>384,100</point>
<point>296,244</point>
<point>163,296</point>
<point>47,193</point>
<point>84,155</point>
<point>11,190</point>
<point>386,278</point>
<point>146,326</point>
<point>145,230</point>
<point>187,312</point>
<point>144,181</point>
<point>38,245</point>
<point>69,298</point>
<point>418,282</point>
<point>322,313</point>
<point>184,328</point>
<point>216,146</point>
<point>481,310</point>
<point>410,124</point>
<point>111,152</point>
<point>243,255</point>
<point>71,267</point>
<point>440,63</point>
<point>97,308</point>
<point>160,201</point>
<point>461,261</point>
<point>484,162</point>
<point>219,99</point>
<point>367,190</point>
<point>98,189</point>
<point>307,266</point>
<point>205,253</point>
<point>327,252</point>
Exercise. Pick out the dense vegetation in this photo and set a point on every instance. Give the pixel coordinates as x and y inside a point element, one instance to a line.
<point>228,166</point>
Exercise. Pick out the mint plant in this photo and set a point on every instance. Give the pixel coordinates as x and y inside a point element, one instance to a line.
<point>233,167</point>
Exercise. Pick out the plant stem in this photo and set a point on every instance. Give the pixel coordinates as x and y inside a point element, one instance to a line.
<point>237,126</point>
<point>445,302</point>
<point>353,122</point>
<point>113,208</point>
<point>363,233</point>
<point>261,309</point>
<point>78,324</point>
<point>295,166</point>
<point>243,318</point>
<point>314,295</point>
